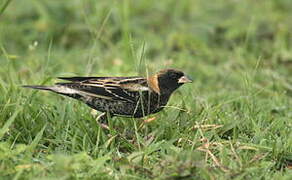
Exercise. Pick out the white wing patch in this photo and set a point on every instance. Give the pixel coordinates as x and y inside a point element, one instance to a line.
<point>67,90</point>
<point>138,87</point>
<point>64,90</point>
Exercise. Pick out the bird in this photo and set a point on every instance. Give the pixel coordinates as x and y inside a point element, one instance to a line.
<point>133,96</point>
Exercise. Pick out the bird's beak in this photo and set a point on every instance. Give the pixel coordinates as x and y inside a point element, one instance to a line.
<point>185,79</point>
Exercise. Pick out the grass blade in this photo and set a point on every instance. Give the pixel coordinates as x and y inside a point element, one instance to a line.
<point>8,123</point>
<point>4,6</point>
<point>36,140</point>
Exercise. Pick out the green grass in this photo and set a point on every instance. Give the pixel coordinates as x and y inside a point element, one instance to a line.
<point>233,122</point>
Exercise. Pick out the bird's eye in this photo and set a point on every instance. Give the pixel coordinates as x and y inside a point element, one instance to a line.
<point>173,76</point>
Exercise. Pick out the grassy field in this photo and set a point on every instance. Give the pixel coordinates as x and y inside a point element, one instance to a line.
<point>233,122</point>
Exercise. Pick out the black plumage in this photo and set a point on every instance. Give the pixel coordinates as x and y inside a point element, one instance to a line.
<point>122,96</point>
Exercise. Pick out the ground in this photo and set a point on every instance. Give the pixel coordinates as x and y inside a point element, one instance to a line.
<point>232,122</point>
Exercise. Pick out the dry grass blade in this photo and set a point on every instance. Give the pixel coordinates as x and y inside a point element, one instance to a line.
<point>206,127</point>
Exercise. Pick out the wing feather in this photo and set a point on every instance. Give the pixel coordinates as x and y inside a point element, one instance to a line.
<point>84,79</point>
<point>115,88</point>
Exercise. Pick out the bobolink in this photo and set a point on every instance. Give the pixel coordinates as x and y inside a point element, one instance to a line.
<point>122,96</point>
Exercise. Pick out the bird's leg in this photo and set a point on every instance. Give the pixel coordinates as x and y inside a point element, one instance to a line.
<point>102,120</point>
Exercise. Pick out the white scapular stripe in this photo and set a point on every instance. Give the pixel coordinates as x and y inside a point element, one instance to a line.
<point>64,90</point>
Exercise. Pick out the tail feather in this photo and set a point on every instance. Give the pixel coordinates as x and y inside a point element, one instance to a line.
<point>48,88</point>
<point>57,89</point>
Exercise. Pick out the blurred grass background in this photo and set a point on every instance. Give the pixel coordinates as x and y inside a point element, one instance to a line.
<point>233,122</point>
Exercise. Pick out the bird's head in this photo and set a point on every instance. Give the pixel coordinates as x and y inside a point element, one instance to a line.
<point>168,80</point>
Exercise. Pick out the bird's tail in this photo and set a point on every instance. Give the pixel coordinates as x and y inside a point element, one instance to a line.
<point>60,89</point>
